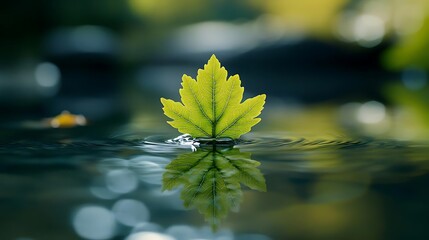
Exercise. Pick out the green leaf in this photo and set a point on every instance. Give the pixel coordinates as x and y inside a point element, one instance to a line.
<point>178,171</point>
<point>211,105</point>
<point>212,180</point>
<point>246,170</point>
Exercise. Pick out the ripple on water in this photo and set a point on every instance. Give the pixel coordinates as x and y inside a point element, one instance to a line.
<point>165,144</point>
<point>265,142</point>
<point>381,159</point>
<point>276,144</point>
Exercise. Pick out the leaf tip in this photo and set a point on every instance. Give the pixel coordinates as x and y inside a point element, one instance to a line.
<point>263,99</point>
<point>164,101</point>
<point>213,61</point>
<point>185,76</point>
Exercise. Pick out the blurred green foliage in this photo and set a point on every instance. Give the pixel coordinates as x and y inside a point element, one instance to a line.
<point>413,106</point>
<point>411,51</point>
<point>312,17</point>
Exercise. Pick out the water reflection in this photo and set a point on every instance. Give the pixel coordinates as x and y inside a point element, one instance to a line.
<point>211,180</point>
<point>121,181</point>
<point>320,188</point>
<point>149,235</point>
<point>94,222</point>
<point>130,212</point>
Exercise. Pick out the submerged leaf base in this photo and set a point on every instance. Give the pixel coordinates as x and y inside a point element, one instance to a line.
<point>205,143</point>
<point>220,142</point>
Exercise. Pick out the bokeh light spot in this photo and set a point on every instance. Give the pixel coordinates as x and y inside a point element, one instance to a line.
<point>94,222</point>
<point>47,75</point>
<point>149,236</point>
<point>130,212</point>
<point>371,112</point>
<point>121,181</point>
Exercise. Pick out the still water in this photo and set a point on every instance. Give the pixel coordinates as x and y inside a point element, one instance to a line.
<point>67,186</point>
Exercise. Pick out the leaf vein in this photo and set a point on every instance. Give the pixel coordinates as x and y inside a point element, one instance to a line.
<point>190,122</point>
<point>183,172</point>
<point>238,118</point>
<point>227,101</point>
<point>199,105</point>
<point>198,190</point>
<point>214,123</point>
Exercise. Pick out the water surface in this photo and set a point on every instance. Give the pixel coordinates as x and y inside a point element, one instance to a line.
<point>70,185</point>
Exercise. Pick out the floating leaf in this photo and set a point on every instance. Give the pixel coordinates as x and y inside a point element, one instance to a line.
<point>211,180</point>
<point>211,105</point>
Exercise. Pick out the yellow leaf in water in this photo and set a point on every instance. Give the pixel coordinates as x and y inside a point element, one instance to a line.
<point>212,105</point>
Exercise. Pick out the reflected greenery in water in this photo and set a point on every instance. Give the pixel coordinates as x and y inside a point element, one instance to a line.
<point>211,180</point>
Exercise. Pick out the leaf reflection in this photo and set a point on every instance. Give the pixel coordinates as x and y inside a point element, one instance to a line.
<point>211,180</point>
